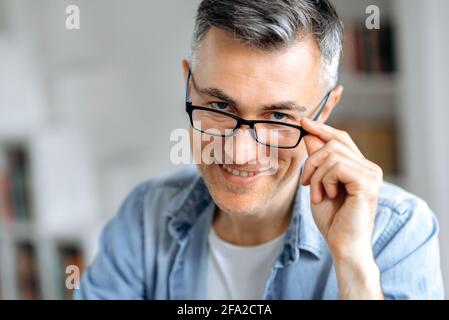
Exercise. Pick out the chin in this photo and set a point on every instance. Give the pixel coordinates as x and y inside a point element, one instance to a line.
<point>237,204</point>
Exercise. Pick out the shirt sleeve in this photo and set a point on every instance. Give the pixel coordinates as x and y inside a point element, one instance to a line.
<point>407,254</point>
<point>118,271</point>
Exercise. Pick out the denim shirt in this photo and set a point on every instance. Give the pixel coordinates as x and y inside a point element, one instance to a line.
<point>156,247</point>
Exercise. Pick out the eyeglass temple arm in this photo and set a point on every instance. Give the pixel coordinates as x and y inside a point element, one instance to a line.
<point>323,104</point>
<point>188,85</point>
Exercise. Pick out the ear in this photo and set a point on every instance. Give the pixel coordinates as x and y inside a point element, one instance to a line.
<point>185,69</point>
<point>331,103</point>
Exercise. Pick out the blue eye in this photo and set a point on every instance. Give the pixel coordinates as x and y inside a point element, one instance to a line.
<point>279,116</point>
<point>219,105</point>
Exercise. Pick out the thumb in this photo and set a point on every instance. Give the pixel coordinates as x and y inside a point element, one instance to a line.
<point>313,143</point>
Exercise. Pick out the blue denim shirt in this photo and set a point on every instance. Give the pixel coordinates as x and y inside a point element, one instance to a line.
<point>156,247</point>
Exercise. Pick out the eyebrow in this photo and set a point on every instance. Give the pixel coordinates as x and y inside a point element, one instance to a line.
<point>217,93</point>
<point>285,105</point>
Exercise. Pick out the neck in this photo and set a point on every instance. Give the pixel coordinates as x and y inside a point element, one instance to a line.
<point>258,227</point>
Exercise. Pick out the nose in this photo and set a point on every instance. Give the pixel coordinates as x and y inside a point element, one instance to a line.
<point>242,147</point>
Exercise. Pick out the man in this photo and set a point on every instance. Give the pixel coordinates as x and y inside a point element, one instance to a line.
<point>317,223</point>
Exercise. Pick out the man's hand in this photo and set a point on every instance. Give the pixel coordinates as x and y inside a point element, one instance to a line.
<point>344,188</point>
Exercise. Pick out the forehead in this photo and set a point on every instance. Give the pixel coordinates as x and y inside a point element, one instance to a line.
<point>221,59</point>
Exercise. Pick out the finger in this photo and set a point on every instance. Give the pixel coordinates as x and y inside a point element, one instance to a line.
<point>330,188</point>
<point>356,180</point>
<point>327,133</point>
<point>332,147</point>
<point>313,144</point>
<point>316,193</point>
<point>316,181</point>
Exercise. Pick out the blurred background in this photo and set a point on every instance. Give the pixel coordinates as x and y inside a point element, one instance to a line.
<point>87,114</point>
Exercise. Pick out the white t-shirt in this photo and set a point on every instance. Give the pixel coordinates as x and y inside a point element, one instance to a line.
<point>239,272</point>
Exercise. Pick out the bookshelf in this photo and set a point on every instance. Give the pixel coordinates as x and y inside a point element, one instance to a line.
<point>32,262</point>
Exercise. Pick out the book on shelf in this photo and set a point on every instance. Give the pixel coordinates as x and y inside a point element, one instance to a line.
<point>27,271</point>
<point>368,51</point>
<point>69,255</point>
<point>15,193</point>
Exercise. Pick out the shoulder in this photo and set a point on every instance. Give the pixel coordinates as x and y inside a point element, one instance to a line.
<point>399,200</point>
<point>125,263</point>
<point>402,216</point>
<point>405,246</point>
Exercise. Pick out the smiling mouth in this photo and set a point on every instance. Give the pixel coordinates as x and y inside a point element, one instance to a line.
<point>245,173</point>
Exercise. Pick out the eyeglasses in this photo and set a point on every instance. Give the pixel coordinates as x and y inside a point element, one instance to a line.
<point>273,134</point>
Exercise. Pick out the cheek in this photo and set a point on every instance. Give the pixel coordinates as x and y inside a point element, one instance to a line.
<point>290,161</point>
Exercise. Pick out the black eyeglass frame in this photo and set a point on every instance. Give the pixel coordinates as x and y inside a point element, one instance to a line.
<point>250,123</point>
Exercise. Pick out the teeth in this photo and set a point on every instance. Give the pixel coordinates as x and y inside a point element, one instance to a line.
<point>242,173</point>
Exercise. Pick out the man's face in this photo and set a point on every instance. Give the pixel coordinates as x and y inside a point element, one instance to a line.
<point>259,84</point>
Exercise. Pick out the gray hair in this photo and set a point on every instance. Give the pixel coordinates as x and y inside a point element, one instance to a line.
<point>273,24</point>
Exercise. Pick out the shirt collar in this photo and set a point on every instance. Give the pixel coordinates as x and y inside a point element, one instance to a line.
<point>302,233</point>
<point>185,212</point>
